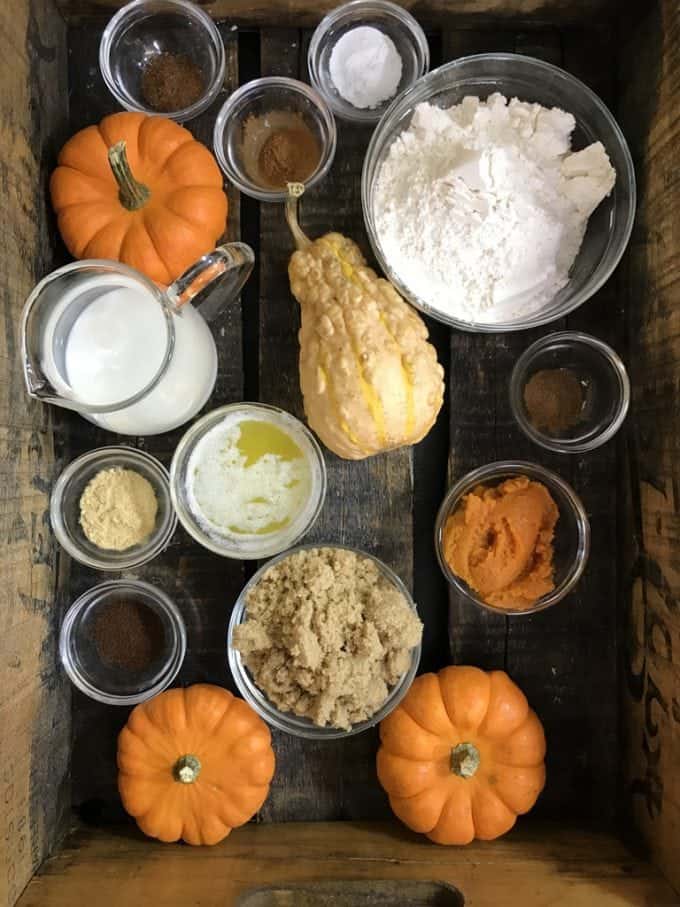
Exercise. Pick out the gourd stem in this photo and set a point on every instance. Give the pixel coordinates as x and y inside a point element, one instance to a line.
<point>295,190</point>
<point>131,194</point>
<point>187,769</point>
<point>465,760</point>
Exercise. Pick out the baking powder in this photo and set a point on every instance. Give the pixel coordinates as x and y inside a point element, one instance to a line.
<point>481,209</point>
<point>365,67</point>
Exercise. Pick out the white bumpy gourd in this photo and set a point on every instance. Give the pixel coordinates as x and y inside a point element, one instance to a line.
<point>370,380</point>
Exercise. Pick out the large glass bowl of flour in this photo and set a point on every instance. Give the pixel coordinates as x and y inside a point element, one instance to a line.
<point>608,226</point>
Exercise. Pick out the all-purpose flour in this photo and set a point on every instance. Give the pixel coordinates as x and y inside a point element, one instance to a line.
<point>481,209</point>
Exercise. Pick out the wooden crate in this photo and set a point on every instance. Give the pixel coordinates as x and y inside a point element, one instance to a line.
<point>602,669</point>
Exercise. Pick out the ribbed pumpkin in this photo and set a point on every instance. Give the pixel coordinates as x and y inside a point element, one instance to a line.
<point>369,379</point>
<point>193,764</point>
<point>462,755</point>
<point>140,190</point>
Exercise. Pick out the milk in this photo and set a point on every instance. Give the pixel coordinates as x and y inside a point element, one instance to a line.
<point>115,347</point>
<point>107,340</point>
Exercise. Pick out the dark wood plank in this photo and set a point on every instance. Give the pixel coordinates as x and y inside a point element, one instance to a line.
<point>298,13</point>
<point>306,780</point>
<point>34,698</point>
<point>556,677</point>
<point>369,502</point>
<point>203,585</point>
<point>581,728</point>
<point>476,637</point>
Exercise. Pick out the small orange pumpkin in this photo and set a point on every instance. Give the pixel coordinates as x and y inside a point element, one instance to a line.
<point>462,755</point>
<point>193,764</point>
<point>140,190</point>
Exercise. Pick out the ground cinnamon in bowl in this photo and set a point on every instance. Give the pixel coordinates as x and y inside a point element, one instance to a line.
<point>279,148</point>
<point>554,400</point>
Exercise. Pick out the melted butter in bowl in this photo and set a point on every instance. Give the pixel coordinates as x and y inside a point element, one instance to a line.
<point>248,480</point>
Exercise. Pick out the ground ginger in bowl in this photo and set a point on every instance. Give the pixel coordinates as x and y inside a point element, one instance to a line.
<point>326,634</point>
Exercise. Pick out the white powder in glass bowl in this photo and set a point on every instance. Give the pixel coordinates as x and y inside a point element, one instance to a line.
<point>481,209</point>
<point>365,67</point>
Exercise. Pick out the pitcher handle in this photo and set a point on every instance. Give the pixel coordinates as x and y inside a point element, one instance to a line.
<point>227,268</point>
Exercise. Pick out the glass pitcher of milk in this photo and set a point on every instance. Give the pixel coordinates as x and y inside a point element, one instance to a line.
<point>100,338</point>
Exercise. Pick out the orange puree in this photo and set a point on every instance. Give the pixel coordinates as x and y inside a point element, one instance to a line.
<point>500,542</point>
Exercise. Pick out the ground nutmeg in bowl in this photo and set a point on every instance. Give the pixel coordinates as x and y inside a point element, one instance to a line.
<point>127,634</point>
<point>327,635</point>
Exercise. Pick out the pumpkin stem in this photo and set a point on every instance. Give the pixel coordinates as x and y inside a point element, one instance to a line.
<point>465,760</point>
<point>295,190</point>
<point>131,194</point>
<point>187,769</point>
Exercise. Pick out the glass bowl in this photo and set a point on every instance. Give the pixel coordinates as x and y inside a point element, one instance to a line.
<point>572,532</point>
<point>257,99</point>
<point>108,682</point>
<point>249,547</point>
<point>65,509</point>
<point>513,75</point>
<point>603,379</point>
<point>393,21</point>
<point>286,721</point>
<point>144,29</point>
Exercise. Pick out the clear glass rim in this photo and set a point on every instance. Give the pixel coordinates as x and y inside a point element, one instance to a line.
<point>240,180</point>
<point>175,658</point>
<point>181,457</point>
<point>564,445</point>
<point>194,12</point>
<point>159,538</point>
<point>419,92</point>
<point>116,267</point>
<point>287,721</point>
<point>381,7</point>
<point>496,472</point>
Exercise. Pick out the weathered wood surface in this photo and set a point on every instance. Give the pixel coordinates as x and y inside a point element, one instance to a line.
<point>559,656</point>
<point>387,504</point>
<point>203,585</point>
<point>370,503</point>
<point>297,13</point>
<point>34,699</point>
<point>651,584</point>
<point>541,866</point>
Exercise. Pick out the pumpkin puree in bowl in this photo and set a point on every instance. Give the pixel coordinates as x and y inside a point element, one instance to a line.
<point>500,542</point>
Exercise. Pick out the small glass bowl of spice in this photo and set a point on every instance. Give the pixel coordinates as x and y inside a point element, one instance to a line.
<point>363,54</point>
<point>164,57</point>
<point>512,537</point>
<point>271,132</point>
<point>122,642</point>
<point>111,508</point>
<point>569,392</point>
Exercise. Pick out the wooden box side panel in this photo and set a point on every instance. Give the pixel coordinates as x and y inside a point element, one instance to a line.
<point>650,82</point>
<point>303,13</point>
<point>34,701</point>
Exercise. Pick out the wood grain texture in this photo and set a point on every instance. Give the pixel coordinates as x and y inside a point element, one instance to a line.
<point>651,591</point>
<point>541,866</point>
<point>297,13</point>
<point>557,678</point>
<point>203,585</point>
<point>34,700</point>
<point>369,503</point>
